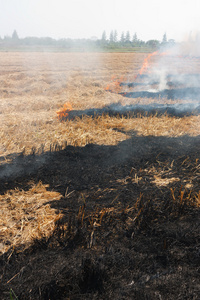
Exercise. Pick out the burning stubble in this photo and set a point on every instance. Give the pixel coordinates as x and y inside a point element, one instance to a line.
<point>167,82</point>
<point>29,102</point>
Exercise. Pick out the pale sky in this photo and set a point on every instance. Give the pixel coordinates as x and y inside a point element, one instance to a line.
<point>150,19</point>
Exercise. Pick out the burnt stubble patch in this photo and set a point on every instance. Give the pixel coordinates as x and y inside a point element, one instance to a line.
<point>121,234</point>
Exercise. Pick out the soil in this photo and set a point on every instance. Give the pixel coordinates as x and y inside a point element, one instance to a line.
<point>122,236</point>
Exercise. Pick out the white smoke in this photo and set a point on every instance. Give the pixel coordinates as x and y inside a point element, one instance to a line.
<point>176,65</point>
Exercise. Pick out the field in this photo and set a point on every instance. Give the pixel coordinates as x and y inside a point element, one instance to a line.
<point>101,205</point>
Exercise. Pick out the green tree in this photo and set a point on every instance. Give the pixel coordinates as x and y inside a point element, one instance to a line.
<point>164,40</point>
<point>7,38</point>
<point>135,39</point>
<point>154,44</point>
<point>128,37</point>
<point>15,36</point>
<point>115,36</point>
<point>122,39</point>
<point>111,39</point>
<point>171,41</point>
<point>103,38</point>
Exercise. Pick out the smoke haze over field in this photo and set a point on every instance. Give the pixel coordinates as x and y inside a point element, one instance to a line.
<point>86,19</point>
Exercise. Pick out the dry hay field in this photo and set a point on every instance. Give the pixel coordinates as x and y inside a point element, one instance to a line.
<point>102,206</point>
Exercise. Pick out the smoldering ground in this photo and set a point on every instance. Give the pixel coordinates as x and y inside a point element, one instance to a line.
<point>169,78</point>
<point>172,67</point>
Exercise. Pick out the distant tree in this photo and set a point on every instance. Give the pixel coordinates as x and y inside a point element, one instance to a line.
<point>122,39</point>
<point>94,38</point>
<point>135,38</point>
<point>115,36</point>
<point>103,38</point>
<point>128,37</point>
<point>171,41</point>
<point>153,44</point>
<point>164,40</point>
<point>111,39</point>
<point>15,36</point>
<point>7,38</point>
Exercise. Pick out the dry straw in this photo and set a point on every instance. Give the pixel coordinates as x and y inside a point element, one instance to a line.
<point>26,215</point>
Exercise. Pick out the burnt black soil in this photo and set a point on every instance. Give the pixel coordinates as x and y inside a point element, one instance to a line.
<point>174,94</point>
<point>119,110</point>
<point>122,236</point>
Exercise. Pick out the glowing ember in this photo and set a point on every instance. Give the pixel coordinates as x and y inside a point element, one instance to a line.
<point>63,112</point>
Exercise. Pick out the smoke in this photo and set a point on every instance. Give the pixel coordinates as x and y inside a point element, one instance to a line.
<point>181,63</point>
<point>172,68</point>
<point>167,82</point>
<point>191,45</point>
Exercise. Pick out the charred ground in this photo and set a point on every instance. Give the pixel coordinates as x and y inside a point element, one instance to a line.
<point>122,234</point>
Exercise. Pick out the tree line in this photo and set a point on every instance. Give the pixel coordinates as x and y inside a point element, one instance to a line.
<point>126,39</point>
<point>112,41</point>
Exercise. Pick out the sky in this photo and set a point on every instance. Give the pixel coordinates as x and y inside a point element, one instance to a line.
<point>150,19</point>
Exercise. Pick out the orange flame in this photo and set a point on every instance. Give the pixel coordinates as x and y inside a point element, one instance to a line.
<point>63,112</point>
<point>115,85</point>
<point>146,62</point>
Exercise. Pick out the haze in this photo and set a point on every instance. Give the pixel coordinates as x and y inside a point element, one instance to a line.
<point>89,18</point>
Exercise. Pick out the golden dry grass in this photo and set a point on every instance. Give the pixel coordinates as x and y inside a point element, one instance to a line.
<point>33,86</point>
<point>26,215</point>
